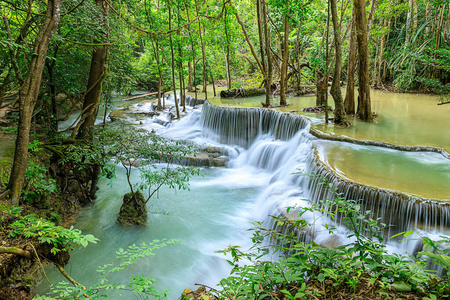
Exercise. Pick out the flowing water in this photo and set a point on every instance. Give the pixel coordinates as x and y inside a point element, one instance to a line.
<point>262,179</point>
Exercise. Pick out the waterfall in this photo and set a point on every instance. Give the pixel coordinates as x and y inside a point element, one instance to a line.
<point>281,143</point>
<point>241,126</point>
<point>400,211</point>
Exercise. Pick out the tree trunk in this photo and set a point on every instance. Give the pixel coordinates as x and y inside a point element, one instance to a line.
<point>173,64</point>
<point>202,43</point>
<point>321,89</point>
<point>227,48</point>
<point>408,23</point>
<point>180,65</point>
<point>349,102</point>
<point>284,62</point>
<point>192,50</point>
<point>158,61</point>
<point>190,87</point>
<point>96,76</point>
<point>364,104</point>
<point>339,111</point>
<point>28,94</point>
<point>212,80</point>
<point>260,10</point>
<point>268,54</point>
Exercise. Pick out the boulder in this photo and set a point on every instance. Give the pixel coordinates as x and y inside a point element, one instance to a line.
<point>133,210</point>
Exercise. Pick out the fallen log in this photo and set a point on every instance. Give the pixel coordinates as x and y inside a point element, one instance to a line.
<point>240,93</point>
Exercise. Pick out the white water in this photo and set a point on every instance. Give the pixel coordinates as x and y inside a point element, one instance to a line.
<point>216,212</point>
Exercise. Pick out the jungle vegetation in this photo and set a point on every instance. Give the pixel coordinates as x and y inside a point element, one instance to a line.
<point>58,56</point>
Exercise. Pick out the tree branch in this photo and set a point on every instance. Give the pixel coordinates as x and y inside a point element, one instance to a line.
<point>16,251</point>
<point>65,274</point>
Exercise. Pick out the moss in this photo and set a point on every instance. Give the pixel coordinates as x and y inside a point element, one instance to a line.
<point>133,212</point>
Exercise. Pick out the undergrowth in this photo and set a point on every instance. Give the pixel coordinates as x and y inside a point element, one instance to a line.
<point>361,269</point>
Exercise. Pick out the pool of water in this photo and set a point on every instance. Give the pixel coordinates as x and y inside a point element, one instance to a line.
<point>210,217</point>
<point>423,174</point>
<point>404,119</point>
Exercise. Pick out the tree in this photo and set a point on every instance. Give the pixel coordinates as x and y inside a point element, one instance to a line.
<point>97,74</point>
<point>28,94</point>
<point>364,104</point>
<point>349,101</point>
<point>339,110</point>
<point>145,150</point>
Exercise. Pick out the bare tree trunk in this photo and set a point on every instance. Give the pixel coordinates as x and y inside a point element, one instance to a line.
<point>319,76</point>
<point>268,54</point>
<point>365,107</point>
<point>227,46</point>
<point>94,87</point>
<point>349,101</point>
<point>259,12</point>
<point>408,23</point>
<point>205,71</point>
<point>339,111</point>
<point>91,103</point>
<point>190,88</point>
<point>173,64</point>
<point>371,14</point>
<point>192,50</point>
<point>212,80</point>
<point>180,65</point>
<point>284,63</point>
<point>28,94</point>
<point>158,61</point>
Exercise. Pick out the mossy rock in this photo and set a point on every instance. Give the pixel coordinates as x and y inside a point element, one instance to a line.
<point>200,294</point>
<point>133,212</point>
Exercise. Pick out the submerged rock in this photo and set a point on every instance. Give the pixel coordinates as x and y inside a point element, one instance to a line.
<point>208,157</point>
<point>317,109</point>
<point>133,211</point>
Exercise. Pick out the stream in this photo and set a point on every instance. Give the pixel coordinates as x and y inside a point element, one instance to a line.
<point>261,179</point>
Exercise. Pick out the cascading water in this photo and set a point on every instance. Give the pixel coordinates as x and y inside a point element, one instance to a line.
<point>268,149</point>
<point>281,144</point>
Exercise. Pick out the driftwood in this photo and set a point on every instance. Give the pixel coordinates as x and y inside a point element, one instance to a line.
<point>239,93</point>
<point>142,96</point>
<point>442,103</point>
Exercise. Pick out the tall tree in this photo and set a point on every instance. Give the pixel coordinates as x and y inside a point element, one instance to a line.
<point>285,60</point>
<point>28,95</point>
<point>97,74</point>
<point>173,61</point>
<point>339,110</point>
<point>227,48</point>
<point>364,103</point>
<point>349,101</point>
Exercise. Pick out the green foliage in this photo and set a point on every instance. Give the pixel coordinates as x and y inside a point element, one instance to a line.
<point>146,150</point>
<point>38,184</point>
<point>142,285</point>
<point>307,270</point>
<point>44,231</point>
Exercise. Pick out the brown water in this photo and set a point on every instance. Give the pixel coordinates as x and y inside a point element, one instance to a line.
<point>404,119</point>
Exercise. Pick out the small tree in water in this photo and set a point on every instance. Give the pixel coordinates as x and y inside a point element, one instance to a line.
<point>155,157</point>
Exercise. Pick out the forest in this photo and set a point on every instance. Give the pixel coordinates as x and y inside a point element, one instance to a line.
<point>118,90</point>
